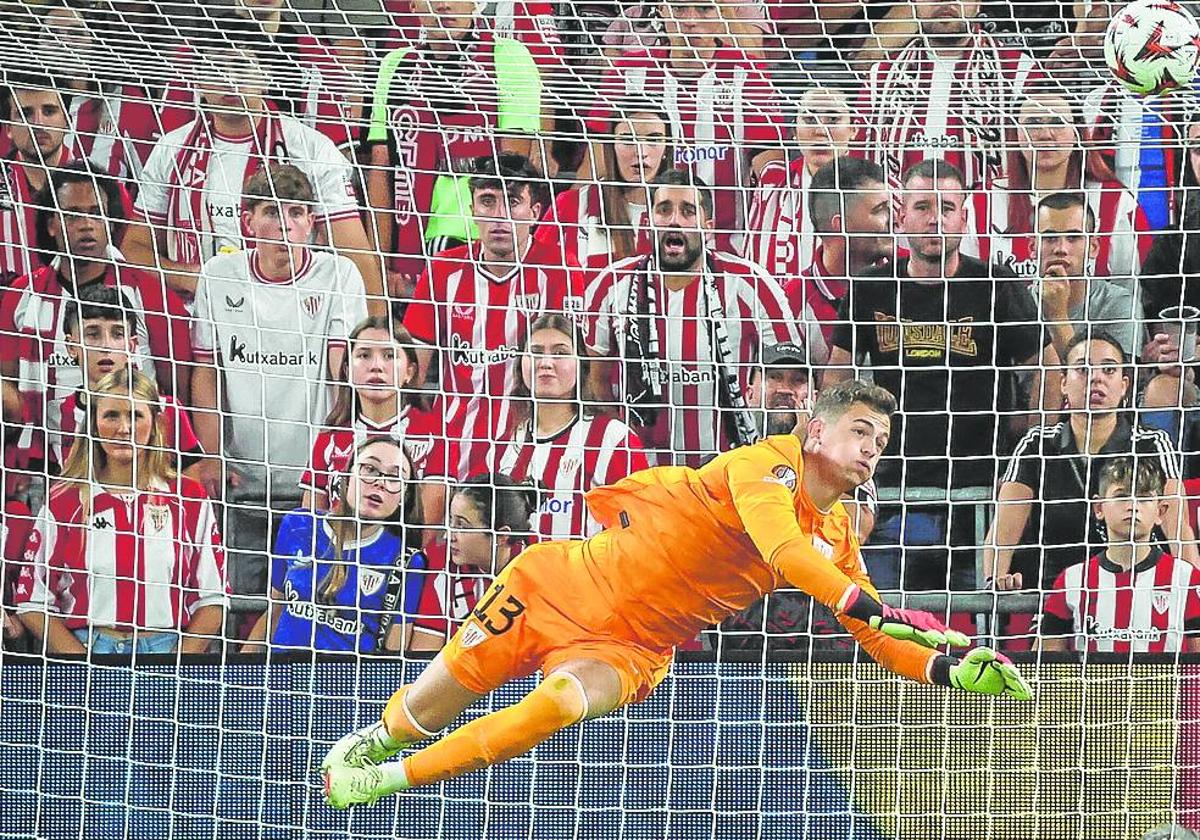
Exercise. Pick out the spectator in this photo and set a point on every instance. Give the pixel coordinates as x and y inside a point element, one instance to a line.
<point>602,222</point>
<point>1067,242</point>
<point>375,400</point>
<point>475,302</point>
<point>1042,524</point>
<point>271,327</point>
<point>723,137</point>
<point>112,124</point>
<point>946,333</point>
<point>101,329</point>
<point>851,210</point>
<point>559,443</point>
<point>1052,158</point>
<point>456,96</point>
<point>489,525</point>
<point>534,23</point>
<point>1130,597</point>
<point>192,187</point>
<point>780,232</point>
<point>949,94</point>
<point>345,580</point>
<point>682,383</point>
<point>1170,270</point>
<point>315,79</point>
<point>36,367</point>
<point>121,507</point>
<point>36,124</point>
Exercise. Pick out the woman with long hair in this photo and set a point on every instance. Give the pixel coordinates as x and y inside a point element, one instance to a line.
<point>489,525</point>
<point>346,580</point>
<point>607,220</point>
<point>375,401</point>
<point>126,554</point>
<point>1054,154</point>
<point>558,444</point>
<point>1057,469</point>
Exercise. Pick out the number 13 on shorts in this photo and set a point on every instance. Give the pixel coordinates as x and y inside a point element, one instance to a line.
<point>497,612</point>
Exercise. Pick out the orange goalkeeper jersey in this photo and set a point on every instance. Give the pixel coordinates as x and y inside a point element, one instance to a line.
<point>684,548</point>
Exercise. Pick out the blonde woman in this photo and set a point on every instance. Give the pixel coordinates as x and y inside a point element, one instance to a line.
<point>126,555</point>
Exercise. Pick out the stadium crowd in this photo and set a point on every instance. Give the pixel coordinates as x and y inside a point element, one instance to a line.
<point>336,306</point>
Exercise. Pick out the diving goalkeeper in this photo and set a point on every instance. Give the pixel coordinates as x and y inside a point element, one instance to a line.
<point>681,549</point>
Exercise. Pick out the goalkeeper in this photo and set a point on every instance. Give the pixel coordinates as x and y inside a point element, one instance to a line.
<point>681,550</point>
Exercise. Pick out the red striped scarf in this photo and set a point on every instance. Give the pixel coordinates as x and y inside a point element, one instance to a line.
<point>187,219</point>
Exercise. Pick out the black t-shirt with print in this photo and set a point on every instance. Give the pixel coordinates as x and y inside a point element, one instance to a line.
<point>949,361</point>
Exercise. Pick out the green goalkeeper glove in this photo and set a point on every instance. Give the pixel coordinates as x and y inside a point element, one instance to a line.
<point>984,671</point>
<point>917,626</point>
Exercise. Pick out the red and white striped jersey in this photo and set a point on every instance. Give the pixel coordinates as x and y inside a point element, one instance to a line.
<point>18,221</point>
<point>779,229</point>
<point>450,592</point>
<point>816,296</point>
<point>1147,609</point>
<point>116,130</point>
<point>1122,231</point>
<point>918,105</point>
<point>421,433</point>
<point>178,434</point>
<point>719,120</point>
<point>574,227</point>
<point>146,560</point>
<point>31,329</point>
<point>755,313</point>
<point>591,452</point>
<point>323,96</point>
<point>480,322</point>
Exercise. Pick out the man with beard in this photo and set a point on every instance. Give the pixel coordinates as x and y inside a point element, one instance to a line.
<point>34,122</point>
<point>851,210</point>
<point>949,335</point>
<point>949,94</point>
<point>685,325</point>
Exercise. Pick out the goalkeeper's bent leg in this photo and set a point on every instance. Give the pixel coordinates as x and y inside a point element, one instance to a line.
<point>558,702</point>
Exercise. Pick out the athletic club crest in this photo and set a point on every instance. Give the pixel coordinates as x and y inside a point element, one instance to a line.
<point>158,517</point>
<point>370,581</point>
<point>1161,601</point>
<point>312,305</point>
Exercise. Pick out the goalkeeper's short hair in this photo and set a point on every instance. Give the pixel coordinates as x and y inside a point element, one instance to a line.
<point>835,400</point>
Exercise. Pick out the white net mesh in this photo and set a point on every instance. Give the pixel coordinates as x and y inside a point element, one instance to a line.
<point>402,282</point>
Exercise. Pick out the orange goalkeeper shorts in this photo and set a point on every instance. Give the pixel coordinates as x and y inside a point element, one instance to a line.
<point>543,610</point>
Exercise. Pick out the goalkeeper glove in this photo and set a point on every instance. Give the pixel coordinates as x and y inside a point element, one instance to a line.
<point>984,671</point>
<point>909,625</point>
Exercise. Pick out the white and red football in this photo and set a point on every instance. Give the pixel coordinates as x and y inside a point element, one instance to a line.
<point>1153,46</point>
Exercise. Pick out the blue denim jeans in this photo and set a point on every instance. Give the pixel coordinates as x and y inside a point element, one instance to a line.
<point>152,641</point>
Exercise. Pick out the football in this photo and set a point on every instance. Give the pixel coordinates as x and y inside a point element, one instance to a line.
<point>1153,46</point>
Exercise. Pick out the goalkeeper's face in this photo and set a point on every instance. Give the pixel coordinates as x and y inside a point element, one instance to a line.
<point>849,445</point>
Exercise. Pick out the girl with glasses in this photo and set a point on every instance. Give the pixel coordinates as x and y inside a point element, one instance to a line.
<point>348,580</point>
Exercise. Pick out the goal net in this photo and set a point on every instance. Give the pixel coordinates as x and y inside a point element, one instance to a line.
<point>315,313</point>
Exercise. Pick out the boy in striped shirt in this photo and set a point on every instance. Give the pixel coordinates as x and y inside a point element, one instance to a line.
<point>1132,597</point>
